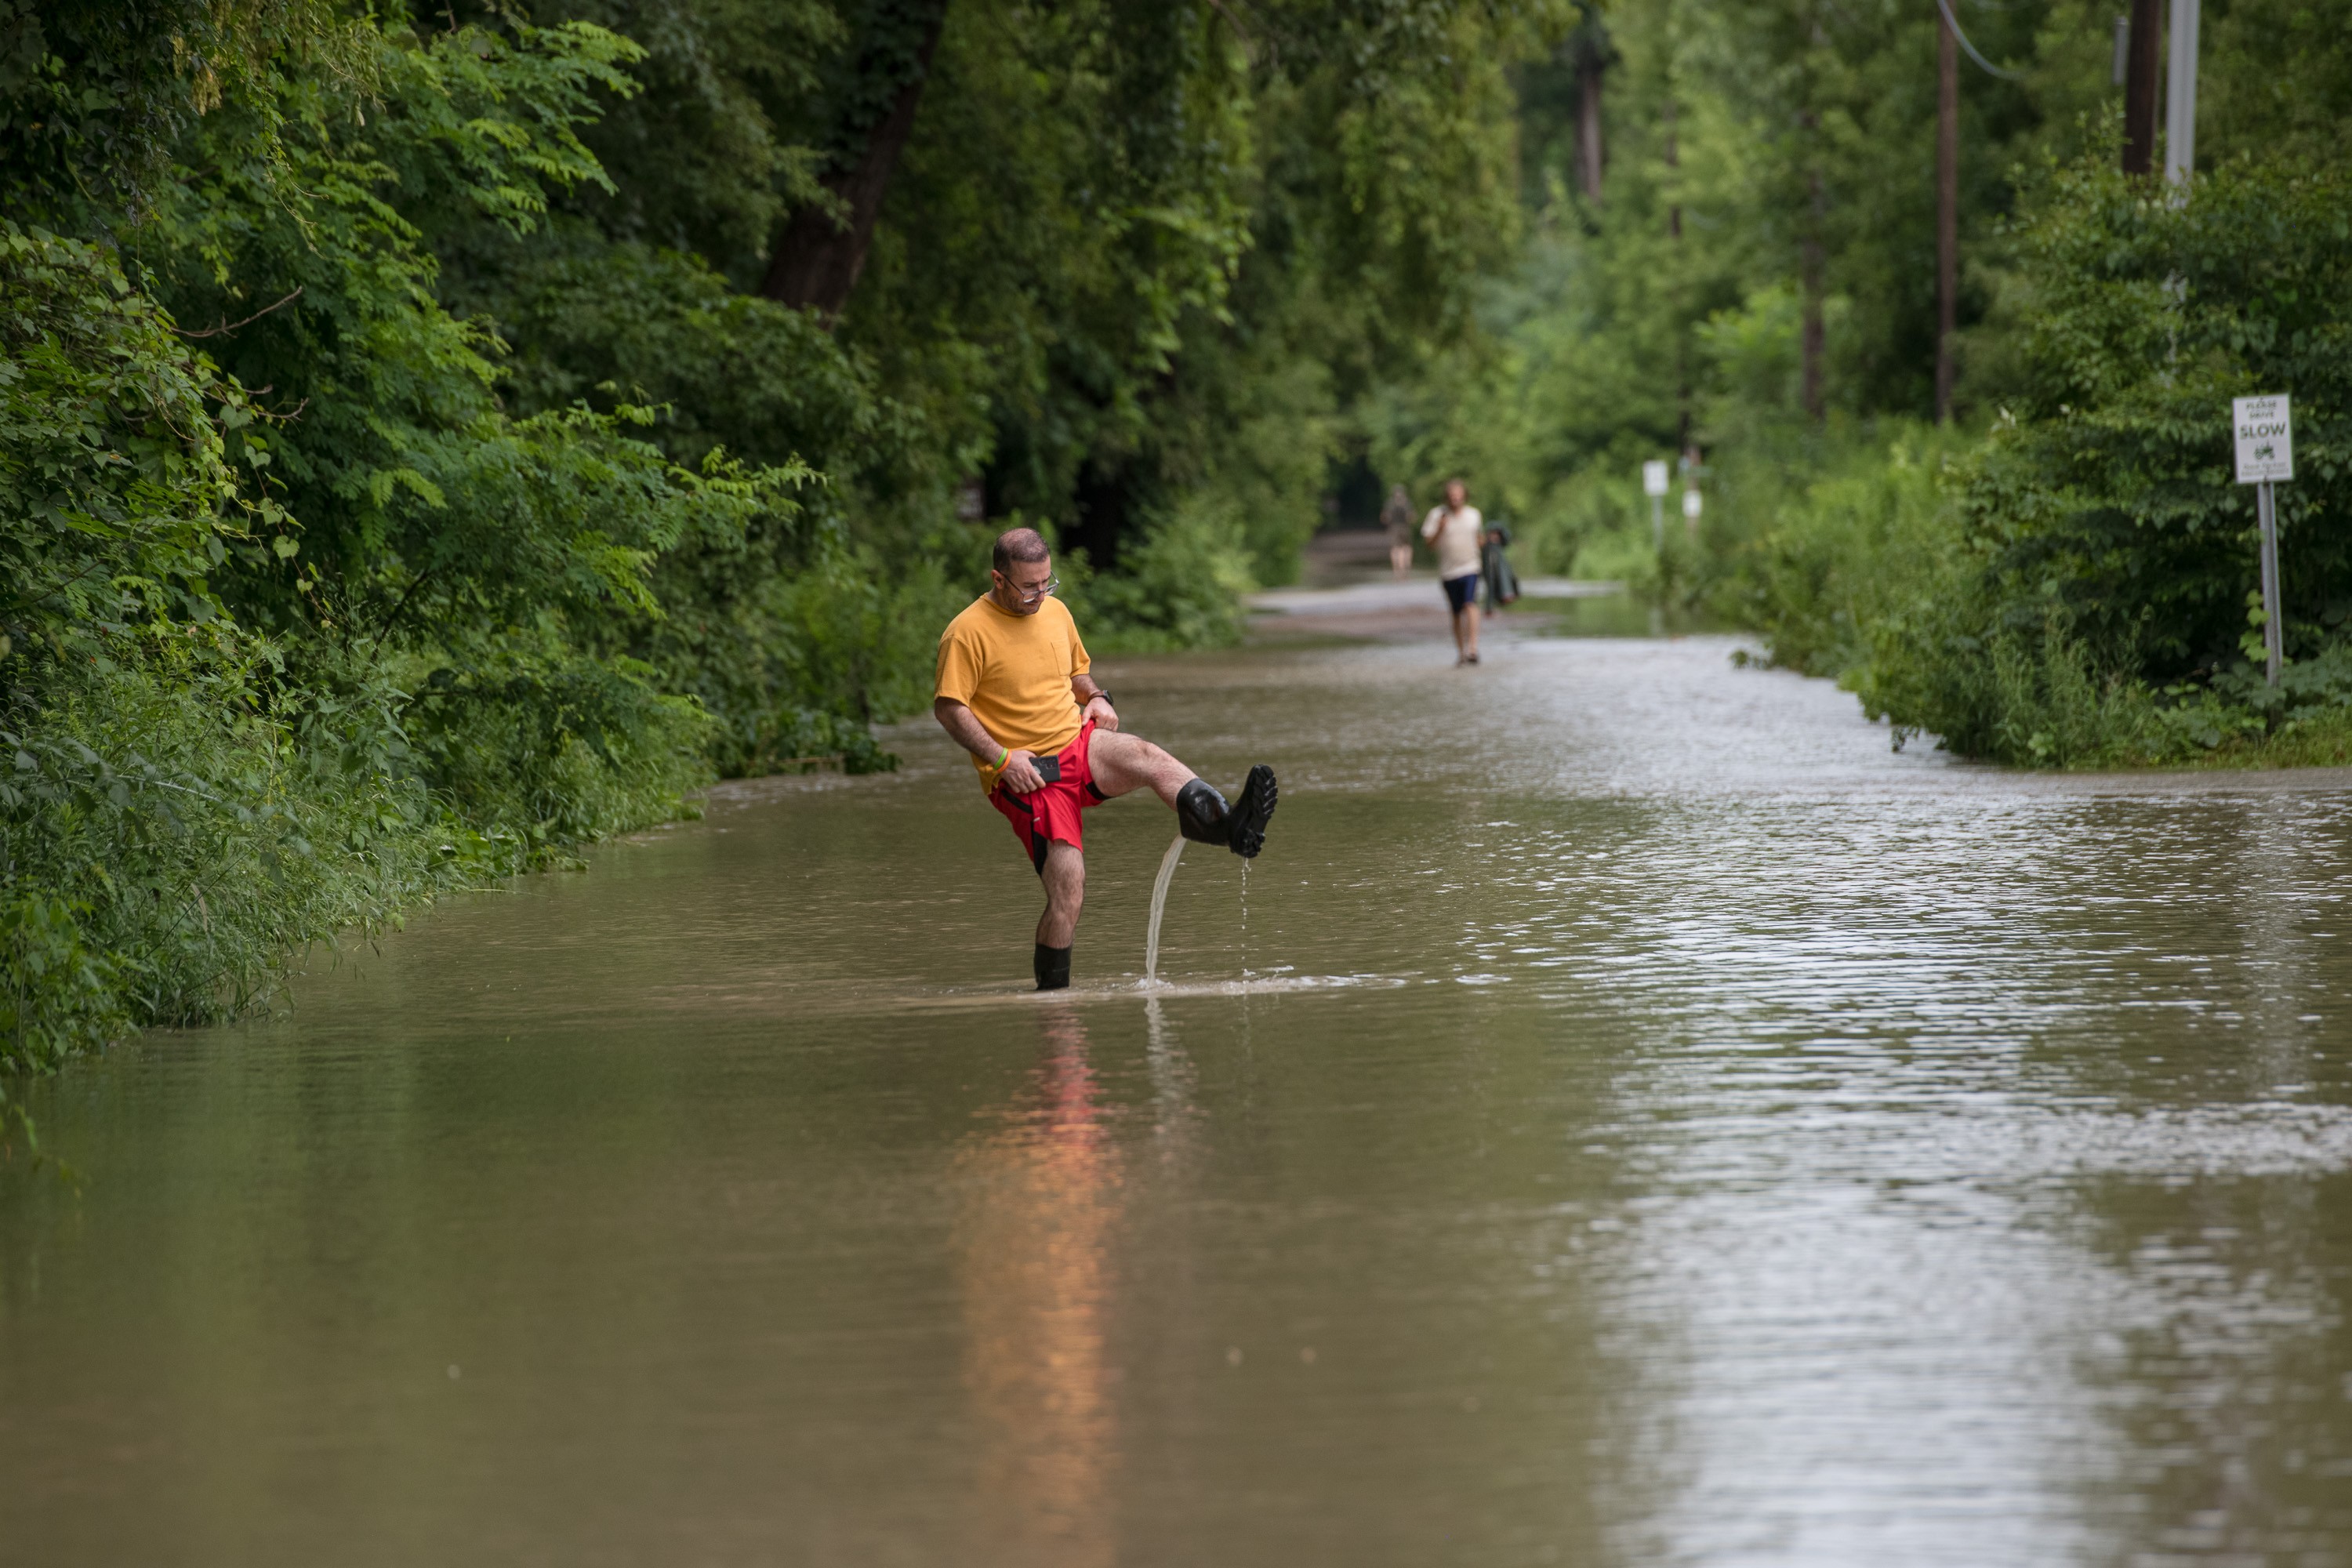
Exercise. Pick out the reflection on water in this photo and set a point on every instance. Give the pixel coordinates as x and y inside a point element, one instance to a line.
<point>1605,615</point>
<point>1641,1119</point>
<point>1042,1198</point>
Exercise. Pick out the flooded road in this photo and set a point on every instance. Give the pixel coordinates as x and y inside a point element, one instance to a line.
<point>1628,1116</point>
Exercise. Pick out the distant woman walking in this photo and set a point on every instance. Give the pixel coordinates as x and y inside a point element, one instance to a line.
<point>1397,518</point>
<point>1456,531</point>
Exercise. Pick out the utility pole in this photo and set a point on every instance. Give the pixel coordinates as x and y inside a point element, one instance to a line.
<point>1948,211</point>
<point>1813,256</point>
<point>2139,87</point>
<point>1675,231</point>
<point>1812,265</point>
<point>1591,60</point>
<point>1673,162</point>
<point>2181,95</point>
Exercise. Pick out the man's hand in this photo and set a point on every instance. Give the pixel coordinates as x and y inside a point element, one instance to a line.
<point>1020,773</point>
<point>1104,715</point>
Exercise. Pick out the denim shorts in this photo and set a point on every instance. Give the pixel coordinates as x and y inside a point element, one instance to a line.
<point>1460,592</point>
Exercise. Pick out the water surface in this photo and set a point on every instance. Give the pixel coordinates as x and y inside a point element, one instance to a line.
<point>1630,1115</point>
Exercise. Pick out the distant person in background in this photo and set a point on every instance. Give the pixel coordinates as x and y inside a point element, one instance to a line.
<point>1502,583</point>
<point>1455,532</point>
<point>1397,518</point>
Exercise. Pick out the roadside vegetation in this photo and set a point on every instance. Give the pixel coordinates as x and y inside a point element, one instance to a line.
<point>435,439</point>
<point>2062,573</point>
<point>432,438</point>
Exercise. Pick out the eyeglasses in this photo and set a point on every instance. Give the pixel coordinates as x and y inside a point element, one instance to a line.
<point>1039,592</point>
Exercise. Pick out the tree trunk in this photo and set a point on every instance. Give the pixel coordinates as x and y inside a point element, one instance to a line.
<point>1674,161</point>
<point>2140,67</point>
<point>1590,159</point>
<point>1813,339</point>
<point>818,256</point>
<point>1682,336</point>
<point>1948,212</point>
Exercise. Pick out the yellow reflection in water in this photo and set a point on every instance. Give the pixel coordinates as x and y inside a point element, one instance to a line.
<point>1042,1201</point>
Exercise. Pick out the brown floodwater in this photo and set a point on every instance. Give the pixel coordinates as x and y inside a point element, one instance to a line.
<point>1630,1115</point>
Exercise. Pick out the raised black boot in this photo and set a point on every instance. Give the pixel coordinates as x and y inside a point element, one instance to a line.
<point>1245,827</point>
<point>1202,814</point>
<point>1053,965</point>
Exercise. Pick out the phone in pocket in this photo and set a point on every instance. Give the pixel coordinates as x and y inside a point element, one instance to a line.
<point>1048,768</point>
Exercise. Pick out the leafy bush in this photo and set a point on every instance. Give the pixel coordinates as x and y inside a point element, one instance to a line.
<point>190,836</point>
<point>2108,482</point>
<point>2073,589</point>
<point>1180,586</point>
<point>449,688</point>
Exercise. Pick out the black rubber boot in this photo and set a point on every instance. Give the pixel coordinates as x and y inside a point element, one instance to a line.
<point>1053,965</point>
<point>1245,828</point>
<point>1202,814</point>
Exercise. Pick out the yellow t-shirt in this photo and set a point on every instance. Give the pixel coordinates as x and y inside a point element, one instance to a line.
<point>1014,672</point>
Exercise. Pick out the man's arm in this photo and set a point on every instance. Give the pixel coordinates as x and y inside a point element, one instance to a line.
<point>1019,775</point>
<point>1093,702</point>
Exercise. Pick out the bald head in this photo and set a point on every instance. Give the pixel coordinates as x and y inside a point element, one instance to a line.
<point>1025,545</point>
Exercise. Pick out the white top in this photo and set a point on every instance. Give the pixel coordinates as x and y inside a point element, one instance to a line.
<point>1456,535</point>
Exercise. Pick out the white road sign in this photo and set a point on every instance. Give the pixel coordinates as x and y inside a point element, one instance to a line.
<point>1654,478</point>
<point>2265,439</point>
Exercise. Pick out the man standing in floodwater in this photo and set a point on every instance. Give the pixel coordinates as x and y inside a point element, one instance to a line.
<point>1456,531</point>
<point>1014,690</point>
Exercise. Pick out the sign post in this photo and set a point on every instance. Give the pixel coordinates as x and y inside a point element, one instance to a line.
<point>2265,439</point>
<point>1653,485</point>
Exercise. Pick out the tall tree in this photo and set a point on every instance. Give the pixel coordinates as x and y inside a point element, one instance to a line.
<point>2142,64</point>
<point>822,250</point>
<point>1592,47</point>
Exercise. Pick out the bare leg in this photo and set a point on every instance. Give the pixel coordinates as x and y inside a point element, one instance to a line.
<point>1123,763</point>
<point>1400,558</point>
<point>1065,889</point>
<point>1461,648</point>
<point>1470,625</point>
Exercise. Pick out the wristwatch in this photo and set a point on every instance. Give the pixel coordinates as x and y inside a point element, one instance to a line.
<point>1102,696</point>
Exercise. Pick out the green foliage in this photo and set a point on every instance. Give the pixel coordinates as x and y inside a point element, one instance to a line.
<point>1848,556</point>
<point>453,687</point>
<point>173,819</point>
<point>55,993</point>
<point>179,822</point>
<point>2108,480</point>
<point>1181,587</point>
<point>2072,589</point>
<point>548,750</point>
<point>95,95</point>
<point>1830,543</point>
<point>118,499</point>
<point>400,483</point>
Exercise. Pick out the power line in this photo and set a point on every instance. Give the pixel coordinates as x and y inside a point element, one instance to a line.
<point>1953,24</point>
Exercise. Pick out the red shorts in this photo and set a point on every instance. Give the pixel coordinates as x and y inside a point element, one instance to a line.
<point>1050,812</point>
